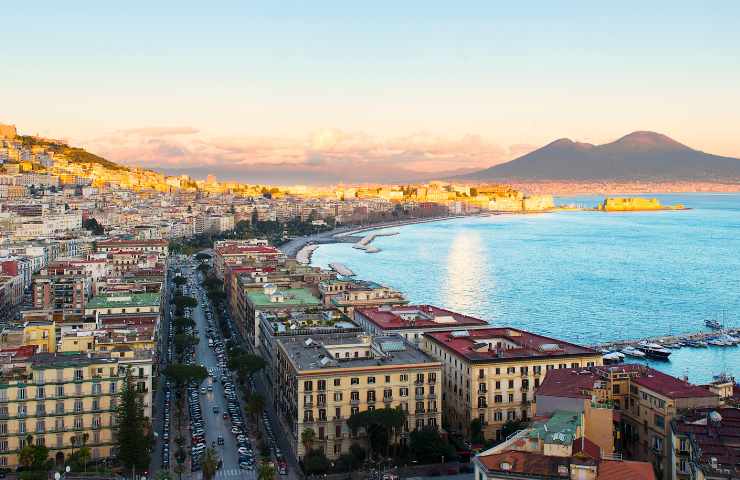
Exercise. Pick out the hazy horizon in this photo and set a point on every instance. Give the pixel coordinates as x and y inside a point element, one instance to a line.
<point>332,92</point>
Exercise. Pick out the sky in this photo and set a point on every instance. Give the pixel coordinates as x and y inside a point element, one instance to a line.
<point>365,90</point>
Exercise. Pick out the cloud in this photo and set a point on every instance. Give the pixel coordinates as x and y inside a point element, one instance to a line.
<point>324,156</point>
<point>160,131</point>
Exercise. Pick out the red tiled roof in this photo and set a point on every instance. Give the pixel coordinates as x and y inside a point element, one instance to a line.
<point>720,439</point>
<point>670,386</point>
<point>527,345</point>
<point>586,447</point>
<point>423,316</point>
<point>111,243</point>
<point>625,470</point>
<point>526,463</point>
<point>244,249</point>
<point>568,382</point>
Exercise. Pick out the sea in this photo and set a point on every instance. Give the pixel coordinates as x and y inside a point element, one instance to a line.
<point>582,276</point>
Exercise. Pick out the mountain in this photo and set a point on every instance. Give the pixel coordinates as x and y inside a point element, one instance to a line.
<point>646,156</point>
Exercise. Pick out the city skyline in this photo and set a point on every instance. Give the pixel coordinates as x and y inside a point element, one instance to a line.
<point>298,91</point>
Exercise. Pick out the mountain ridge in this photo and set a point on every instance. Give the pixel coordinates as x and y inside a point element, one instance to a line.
<point>638,156</point>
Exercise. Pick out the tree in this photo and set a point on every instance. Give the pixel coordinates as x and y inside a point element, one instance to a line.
<point>92,225</point>
<point>162,475</point>
<point>184,301</point>
<point>315,462</point>
<point>308,435</point>
<point>476,432</point>
<point>202,256</point>
<point>209,464</point>
<point>133,445</point>
<point>511,426</point>
<point>182,374</point>
<point>265,471</point>
<point>256,405</point>
<point>382,426</point>
<point>428,446</point>
<point>180,281</point>
<point>34,457</point>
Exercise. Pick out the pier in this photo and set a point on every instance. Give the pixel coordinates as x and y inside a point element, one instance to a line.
<point>342,269</point>
<point>364,242</point>
<point>667,339</point>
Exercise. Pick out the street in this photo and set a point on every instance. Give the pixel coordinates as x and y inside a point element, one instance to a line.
<point>215,424</point>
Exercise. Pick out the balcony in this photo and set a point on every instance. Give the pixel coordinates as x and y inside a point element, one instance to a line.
<point>418,382</point>
<point>371,401</point>
<point>432,396</point>
<point>354,401</point>
<point>387,399</point>
<point>420,396</point>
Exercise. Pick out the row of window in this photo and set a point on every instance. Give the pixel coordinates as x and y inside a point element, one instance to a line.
<point>59,408</point>
<point>536,369</point>
<point>370,395</point>
<point>321,384</point>
<point>41,442</point>
<point>308,415</point>
<point>59,424</point>
<point>59,391</point>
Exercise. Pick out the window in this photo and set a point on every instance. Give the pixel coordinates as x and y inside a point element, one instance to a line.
<point>482,402</point>
<point>511,383</point>
<point>498,385</point>
<point>387,379</point>
<point>404,377</point>
<point>40,392</point>
<point>97,422</point>
<point>498,399</point>
<point>524,370</point>
<point>511,397</point>
<point>574,365</point>
<point>21,394</point>
<point>371,395</point>
<point>78,374</point>
<point>40,409</point>
<point>354,381</point>
<point>388,393</point>
<point>337,382</point>
<point>419,391</point>
<point>60,391</point>
<point>370,380</point>
<point>659,421</point>
<point>59,424</point>
<point>355,396</point>
<point>308,385</point>
<point>432,377</point>
<point>112,388</point>
<point>78,405</point>
<point>308,400</point>
<point>3,428</point>
<point>22,410</point>
<point>419,378</point>
<point>510,370</point>
<point>337,396</point>
<point>419,423</point>
<point>22,427</point>
<point>3,445</point>
<point>615,388</point>
<point>321,385</point>
<point>337,413</point>
<point>403,392</point>
<point>40,426</point>
<point>537,369</point>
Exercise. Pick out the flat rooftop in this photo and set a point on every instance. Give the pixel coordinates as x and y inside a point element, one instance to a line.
<point>313,353</point>
<point>124,300</point>
<point>288,296</point>
<point>505,344</point>
<point>417,316</point>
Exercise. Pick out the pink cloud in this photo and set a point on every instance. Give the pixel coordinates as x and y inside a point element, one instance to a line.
<point>331,153</point>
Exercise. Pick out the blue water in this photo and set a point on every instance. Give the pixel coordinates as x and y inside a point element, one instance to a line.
<point>586,277</point>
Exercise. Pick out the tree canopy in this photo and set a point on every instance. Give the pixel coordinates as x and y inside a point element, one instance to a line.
<point>382,425</point>
<point>427,446</point>
<point>133,443</point>
<point>181,373</point>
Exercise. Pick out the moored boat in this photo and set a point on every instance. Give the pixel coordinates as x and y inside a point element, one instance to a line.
<point>654,350</point>
<point>713,324</point>
<point>633,352</point>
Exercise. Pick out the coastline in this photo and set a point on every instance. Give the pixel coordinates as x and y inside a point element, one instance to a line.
<point>303,248</point>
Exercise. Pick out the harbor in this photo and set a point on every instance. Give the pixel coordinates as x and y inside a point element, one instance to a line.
<point>364,242</point>
<point>660,347</point>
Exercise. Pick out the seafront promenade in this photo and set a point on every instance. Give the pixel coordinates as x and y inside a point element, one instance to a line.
<point>347,234</point>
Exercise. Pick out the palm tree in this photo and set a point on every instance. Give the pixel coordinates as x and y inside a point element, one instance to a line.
<point>209,464</point>
<point>308,435</point>
<point>84,451</point>
<point>266,471</point>
<point>26,457</point>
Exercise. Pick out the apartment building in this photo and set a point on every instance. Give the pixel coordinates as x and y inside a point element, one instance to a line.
<point>244,253</point>
<point>321,383</point>
<point>491,374</point>
<point>61,291</point>
<point>60,400</point>
<point>347,295</point>
<point>413,321</point>
<point>270,299</point>
<point>159,247</point>
<point>705,445</point>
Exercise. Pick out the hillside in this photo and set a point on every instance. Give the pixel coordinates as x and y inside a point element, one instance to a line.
<point>73,154</point>
<point>639,156</point>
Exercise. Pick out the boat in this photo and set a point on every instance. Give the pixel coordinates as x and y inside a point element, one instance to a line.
<point>713,324</point>
<point>633,352</point>
<point>695,343</point>
<point>654,350</point>
<point>613,357</point>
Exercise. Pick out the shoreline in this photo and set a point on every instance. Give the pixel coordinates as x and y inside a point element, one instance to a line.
<point>303,248</point>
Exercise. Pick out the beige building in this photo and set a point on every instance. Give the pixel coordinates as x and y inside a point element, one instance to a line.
<point>321,383</point>
<point>61,401</point>
<point>491,374</point>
